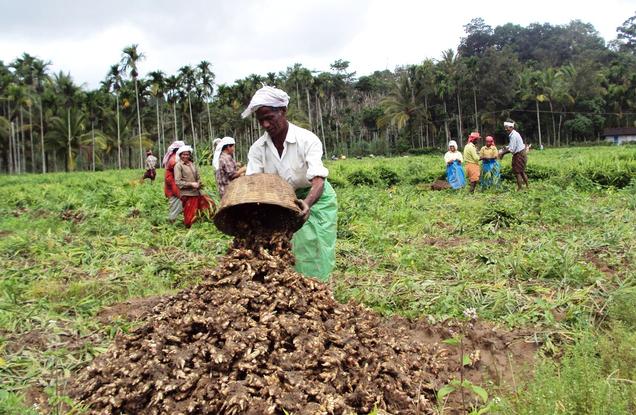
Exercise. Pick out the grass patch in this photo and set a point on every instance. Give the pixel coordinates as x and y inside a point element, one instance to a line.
<point>595,376</point>
<point>556,260</point>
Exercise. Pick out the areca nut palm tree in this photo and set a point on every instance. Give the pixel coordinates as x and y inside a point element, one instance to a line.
<point>113,82</point>
<point>157,88</point>
<point>70,95</point>
<point>187,80</point>
<point>130,57</point>
<point>206,84</point>
<point>40,78</point>
<point>172,88</point>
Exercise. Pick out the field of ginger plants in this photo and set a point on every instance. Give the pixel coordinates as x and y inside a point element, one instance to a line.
<point>555,263</point>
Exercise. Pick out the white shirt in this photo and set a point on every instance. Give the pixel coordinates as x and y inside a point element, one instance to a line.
<point>301,160</point>
<point>516,142</point>
<point>452,156</point>
<point>151,162</point>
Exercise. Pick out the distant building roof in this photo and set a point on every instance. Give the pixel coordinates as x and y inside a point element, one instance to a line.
<point>611,132</point>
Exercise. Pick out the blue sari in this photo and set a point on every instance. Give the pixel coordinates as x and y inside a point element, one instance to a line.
<point>490,174</point>
<point>455,175</point>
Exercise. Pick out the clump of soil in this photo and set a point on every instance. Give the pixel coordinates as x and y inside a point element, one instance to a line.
<point>440,185</point>
<point>72,215</point>
<point>131,310</point>
<point>20,211</point>
<point>258,338</point>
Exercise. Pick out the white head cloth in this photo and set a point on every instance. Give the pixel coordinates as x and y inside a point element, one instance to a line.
<point>183,149</point>
<point>267,96</point>
<point>170,150</point>
<point>220,143</point>
<point>509,124</point>
<point>452,143</point>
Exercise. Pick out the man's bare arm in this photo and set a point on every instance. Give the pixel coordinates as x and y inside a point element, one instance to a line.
<point>317,187</point>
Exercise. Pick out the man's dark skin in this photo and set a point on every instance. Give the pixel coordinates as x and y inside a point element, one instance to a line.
<point>274,121</point>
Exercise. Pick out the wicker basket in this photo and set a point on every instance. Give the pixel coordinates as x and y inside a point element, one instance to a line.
<point>263,203</point>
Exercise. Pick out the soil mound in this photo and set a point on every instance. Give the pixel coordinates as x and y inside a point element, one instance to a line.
<point>258,338</point>
<point>440,185</point>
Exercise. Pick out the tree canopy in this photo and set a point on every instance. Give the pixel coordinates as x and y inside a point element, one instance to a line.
<point>561,83</point>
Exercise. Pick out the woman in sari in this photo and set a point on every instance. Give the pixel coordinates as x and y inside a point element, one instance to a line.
<point>471,160</point>
<point>170,188</point>
<point>454,170</point>
<point>186,175</point>
<point>224,163</point>
<point>490,168</point>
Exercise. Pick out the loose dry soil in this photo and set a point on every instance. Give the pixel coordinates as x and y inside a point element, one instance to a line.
<point>258,338</point>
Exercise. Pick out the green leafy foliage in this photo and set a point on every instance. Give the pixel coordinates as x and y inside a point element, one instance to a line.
<point>456,385</point>
<point>552,260</point>
<point>622,306</point>
<point>580,384</point>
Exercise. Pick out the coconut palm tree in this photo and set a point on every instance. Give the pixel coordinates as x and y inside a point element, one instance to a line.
<point>130,57</point>
<point>528,90</point>
<point>402,106</point>
<point>81,140</point>
<point>555,88</point>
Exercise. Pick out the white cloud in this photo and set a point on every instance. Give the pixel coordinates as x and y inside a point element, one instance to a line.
<point>87,59</point>
<point>251,36</point>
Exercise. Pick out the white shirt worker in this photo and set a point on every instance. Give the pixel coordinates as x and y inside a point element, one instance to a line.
<point>300,162</point>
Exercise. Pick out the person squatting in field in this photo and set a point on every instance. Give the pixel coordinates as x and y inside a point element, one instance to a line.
<point>454,171</point>
<point>295,154</point>
<point>170,188</point>
<point>187,177</point>
<point>519,154</point>
<point>151,164</point>
<point>223,161</point>
<point>471,160</point>
<point>491,169</point>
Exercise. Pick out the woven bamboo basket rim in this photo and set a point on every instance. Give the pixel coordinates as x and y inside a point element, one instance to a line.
<point>267,193</point>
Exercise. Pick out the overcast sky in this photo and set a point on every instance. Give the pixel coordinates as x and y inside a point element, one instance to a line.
<point>241,37</point>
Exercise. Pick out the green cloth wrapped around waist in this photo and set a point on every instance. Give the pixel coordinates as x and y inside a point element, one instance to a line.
<point>314,245</point>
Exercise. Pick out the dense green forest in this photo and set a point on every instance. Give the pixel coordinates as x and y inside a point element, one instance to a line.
<point>562,84</point>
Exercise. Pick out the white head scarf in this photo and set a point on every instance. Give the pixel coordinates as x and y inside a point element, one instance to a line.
<point>220,143</point>
<point>170,150</point>
<point>452,143</point>
<point>509,124</point>
<point>183,149</point>
<point>267,96</point>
